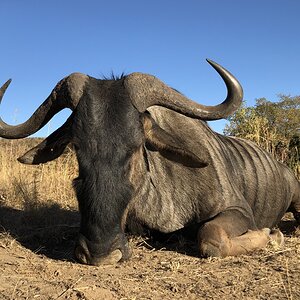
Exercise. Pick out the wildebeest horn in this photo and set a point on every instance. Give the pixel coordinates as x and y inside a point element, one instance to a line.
<point>146,90</point>
<point>63,96</point>
<point>3,88</point>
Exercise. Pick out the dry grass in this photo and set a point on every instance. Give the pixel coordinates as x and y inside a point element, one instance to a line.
<point>38,206</point>
<point>23,186</point>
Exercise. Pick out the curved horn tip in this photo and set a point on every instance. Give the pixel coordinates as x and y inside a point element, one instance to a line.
<point>6,84</point>
<point>209,61</point>
<point>3,88</point>
<point>212,63</point>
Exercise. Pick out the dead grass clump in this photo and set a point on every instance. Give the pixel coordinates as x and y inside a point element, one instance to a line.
<point>38,207</point>
<point>23,185</point>
<point>6,240</point>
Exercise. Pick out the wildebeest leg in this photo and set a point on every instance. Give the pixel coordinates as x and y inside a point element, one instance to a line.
<point>228,234</point>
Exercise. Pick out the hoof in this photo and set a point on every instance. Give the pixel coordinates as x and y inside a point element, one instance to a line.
<point>267,231</point>
<point>276,236</point>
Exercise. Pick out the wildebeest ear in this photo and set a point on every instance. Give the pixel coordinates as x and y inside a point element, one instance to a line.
<point>168,146</point>
<point>50,148</point>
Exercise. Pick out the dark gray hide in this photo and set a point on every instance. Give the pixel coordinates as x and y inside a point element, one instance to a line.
<point>239,176</point>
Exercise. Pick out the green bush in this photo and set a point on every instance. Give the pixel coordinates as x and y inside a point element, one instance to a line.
<point>275,126</point>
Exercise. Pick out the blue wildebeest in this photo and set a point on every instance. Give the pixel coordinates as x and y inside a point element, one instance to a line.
<point>146,155</point>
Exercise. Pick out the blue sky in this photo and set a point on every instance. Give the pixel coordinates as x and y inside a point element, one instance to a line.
<point>43,41</point>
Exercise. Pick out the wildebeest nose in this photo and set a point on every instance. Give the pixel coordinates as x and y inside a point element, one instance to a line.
<point>84,255</point>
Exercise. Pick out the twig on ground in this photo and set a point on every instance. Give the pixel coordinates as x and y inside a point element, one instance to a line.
<point>69,288</point>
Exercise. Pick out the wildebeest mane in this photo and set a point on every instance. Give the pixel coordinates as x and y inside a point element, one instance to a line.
<point>114,76</point>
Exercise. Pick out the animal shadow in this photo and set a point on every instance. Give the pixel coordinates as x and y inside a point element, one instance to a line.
<point>182,241</point>
<point>49,229</point>
<point>53,231</point>
<point>288,225</point>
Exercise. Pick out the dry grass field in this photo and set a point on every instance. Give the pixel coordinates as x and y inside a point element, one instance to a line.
<point>39,222</point>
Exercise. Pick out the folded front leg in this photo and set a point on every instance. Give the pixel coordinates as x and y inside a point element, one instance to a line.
<point>231,234</point>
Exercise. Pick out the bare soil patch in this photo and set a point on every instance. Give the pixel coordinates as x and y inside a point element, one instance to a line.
<point>39,264</point>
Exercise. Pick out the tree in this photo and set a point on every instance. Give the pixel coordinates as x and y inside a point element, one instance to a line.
<point>275,126</point>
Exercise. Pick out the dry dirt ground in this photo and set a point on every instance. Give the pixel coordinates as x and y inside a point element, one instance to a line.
<point>36,263</point>
<point>38,229</point>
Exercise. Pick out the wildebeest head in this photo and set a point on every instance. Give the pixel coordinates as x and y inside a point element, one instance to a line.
<point>109,126</point>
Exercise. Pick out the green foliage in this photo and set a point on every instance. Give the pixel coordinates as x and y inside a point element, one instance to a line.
<point>275,126</point>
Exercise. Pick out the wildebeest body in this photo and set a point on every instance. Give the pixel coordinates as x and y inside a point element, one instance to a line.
<point>240,176</point>
<point>147,157</point>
